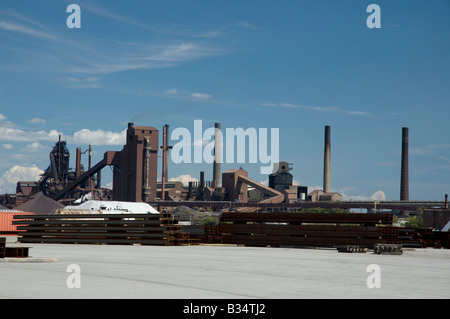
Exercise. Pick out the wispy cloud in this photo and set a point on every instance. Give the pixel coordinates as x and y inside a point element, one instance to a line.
<point>171,29</point>
<point>246,25</point>
<point>439,151</point>
<point>325,109</point>
<point>37,121</point>
<point>83,63</point>
<point>9,132</point>
<point>19,28</point>
<point>175,93</point>
<point>200,96</point>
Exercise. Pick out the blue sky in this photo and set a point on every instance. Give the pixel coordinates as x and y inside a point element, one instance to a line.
<point>293,65</point>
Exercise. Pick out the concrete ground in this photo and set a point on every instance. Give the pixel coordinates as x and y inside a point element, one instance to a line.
<point>221,272</point>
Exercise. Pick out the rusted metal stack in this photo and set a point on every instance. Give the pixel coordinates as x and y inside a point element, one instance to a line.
<point>307,229</point>
<point>212,234</point>
<point>144,229</point>
<point>16,252</point>
<point>424,238</point>
<point>2,247</point>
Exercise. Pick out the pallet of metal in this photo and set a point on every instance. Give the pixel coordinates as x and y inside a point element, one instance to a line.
<point>369,219</point>
<point>212,234</point>
<point>2,247</point>
<point>388,249</point>
<point>307,229</point>
<point>351,249</point>
<point>17,252</point>
<point>144,229</point>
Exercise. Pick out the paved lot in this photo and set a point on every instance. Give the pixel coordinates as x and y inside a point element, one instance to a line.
<point>221,272</point>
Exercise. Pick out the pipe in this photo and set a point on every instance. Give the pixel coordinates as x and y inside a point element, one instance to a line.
<point>78,163</point>
<point>54,170</point>
<point>327,160</point>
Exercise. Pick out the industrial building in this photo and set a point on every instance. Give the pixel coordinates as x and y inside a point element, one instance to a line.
<point>135,180</point>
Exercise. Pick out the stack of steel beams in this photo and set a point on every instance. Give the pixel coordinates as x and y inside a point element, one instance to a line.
<point>307,229</point>
<point>212,234</point>
<point>12,251</point>
<point>2,247</point>
<point>424,238</point>
<point>144,229</point>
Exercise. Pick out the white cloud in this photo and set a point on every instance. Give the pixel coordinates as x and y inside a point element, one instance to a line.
<point>171,91</point>
<point>377,196</point>
<point>12,134</point>
<point>2,117</point>
<point>334,109</point>
<point>8,146</point>
<point>33,147</point>
<point>18,173</point>
<point>185,179</point>
<point>81,82</point>
<point>201,96</point>
<point>24,30</point>
<point>37,120</point>
<point>246,25</point>
<point>439,151</point>
<point>98,137</point>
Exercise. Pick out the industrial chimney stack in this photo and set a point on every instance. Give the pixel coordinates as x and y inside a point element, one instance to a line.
<point>217,155</point>
<point>404,182</point>
<point>326,168</point>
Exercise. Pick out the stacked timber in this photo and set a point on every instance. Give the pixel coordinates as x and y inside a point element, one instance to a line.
<point>144,229</point>
<point>308,229</point>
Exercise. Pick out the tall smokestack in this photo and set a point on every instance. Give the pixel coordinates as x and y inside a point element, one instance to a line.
<point>404,182</point>
<point>166,151</point>
<point>217,155</point>
<point>326,166</point>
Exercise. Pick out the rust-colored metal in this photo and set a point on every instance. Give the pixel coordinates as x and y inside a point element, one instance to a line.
<point>324,230</point>
<point>356,218</point>
<point>144,229</point>
<point>307,229</point>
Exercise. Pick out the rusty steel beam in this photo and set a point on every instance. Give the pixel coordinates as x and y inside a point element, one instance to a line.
<point>374,218</point>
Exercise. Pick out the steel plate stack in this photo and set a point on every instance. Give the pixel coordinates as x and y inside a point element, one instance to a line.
<point>307,229</point>
<point>144,229</point>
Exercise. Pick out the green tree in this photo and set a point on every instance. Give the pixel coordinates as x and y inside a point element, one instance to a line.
<point>415,221</point>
